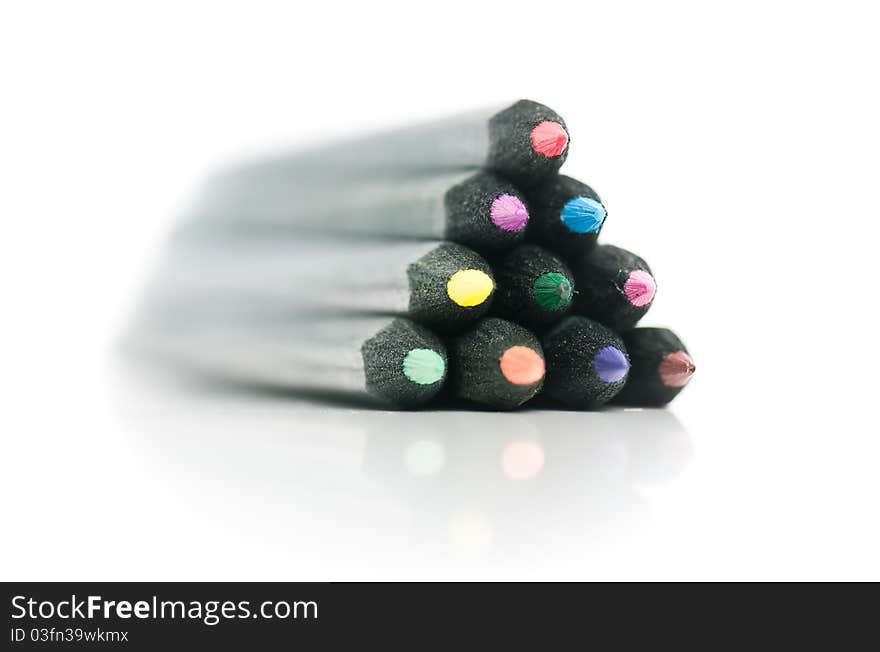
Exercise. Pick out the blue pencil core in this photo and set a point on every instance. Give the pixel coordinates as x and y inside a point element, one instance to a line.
<point>583,215</point>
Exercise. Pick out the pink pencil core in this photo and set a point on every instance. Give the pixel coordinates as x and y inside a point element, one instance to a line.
<point>549,138</point>
<point>676,369</point>
<point>508,213</point>
<point>640,288</point>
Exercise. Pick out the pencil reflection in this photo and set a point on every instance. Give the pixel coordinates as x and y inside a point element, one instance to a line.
<point>521,460</point>
<point>521,479</point>
<point>396,489</point>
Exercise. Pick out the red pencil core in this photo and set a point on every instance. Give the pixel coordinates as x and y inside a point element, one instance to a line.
<point>549,139</point>
<point>676,369</point>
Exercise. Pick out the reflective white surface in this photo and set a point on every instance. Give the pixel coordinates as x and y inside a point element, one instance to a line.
<point>195,482</point>
<point>331,491</point>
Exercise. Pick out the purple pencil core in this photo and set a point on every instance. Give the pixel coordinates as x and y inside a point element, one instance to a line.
<point>611,364</point>
<point>508,213</point>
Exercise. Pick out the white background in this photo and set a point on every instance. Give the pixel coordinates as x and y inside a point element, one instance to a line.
<point>736,148</point>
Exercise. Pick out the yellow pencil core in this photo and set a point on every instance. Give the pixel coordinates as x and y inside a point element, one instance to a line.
<point>469,287</point>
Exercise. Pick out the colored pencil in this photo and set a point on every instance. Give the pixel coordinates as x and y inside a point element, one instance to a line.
<point>535,287</point>
<point>391,362</point>
<point>615,287</point>
<point>443,285</point>
<point>497,363</point>
<point>477,209</point>
<point>525,142</point>
<point>587,364</point>
<point>661,367</point>
<point>566,216</point>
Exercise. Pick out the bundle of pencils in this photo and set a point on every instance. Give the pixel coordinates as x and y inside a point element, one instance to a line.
<point>445,259</point>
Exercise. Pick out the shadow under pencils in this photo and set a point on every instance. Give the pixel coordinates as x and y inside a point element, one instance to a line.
<point>444,402</point>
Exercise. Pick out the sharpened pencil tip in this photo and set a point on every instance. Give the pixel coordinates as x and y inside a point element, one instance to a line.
<point>549,138</point>
<point>469,287</point>
<point>611,364</point>
<point>521,365</point>
<point>583,215</point>
<point>640,288</point>
<point>508,213</point>
<point>552,290</point>
<point>424,366</point>
<point>676,369</point>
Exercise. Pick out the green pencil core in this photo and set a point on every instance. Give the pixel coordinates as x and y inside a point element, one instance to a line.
<point>424,366</point>
<point>552,290</point>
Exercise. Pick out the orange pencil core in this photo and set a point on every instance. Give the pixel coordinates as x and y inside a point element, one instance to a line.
<point>521,365</point>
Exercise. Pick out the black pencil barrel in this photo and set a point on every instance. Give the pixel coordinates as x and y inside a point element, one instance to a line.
<point>535,287</point>
<point>566,216</point>
<point>497,363</point>
<point>615,287</point>
<point>661,367</point>
<point>587,364</point>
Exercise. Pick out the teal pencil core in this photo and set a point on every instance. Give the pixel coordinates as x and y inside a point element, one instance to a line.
<point>552,290</point>
<point>424,366</point>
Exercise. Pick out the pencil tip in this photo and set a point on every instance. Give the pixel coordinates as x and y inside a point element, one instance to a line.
<point>611,364</point>
<point>549,138</point>
<point>640,288</point>
<point>521,365</point>
<point>583,215</point>
<point>424,366</point>
<point>552,290</point>
<point>676,369</point>
<point>508,213</point>
<point>469,287</point>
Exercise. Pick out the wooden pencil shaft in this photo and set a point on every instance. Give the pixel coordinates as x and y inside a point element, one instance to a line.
<point>411,208</point>
<point>320,354</point>
<point>443,285</point>
<point>460,141</point>
<point>481,210</point>
<point>396,361</point>
<point>357,276</point>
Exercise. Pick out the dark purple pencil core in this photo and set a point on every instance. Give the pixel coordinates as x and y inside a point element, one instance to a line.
<point>610,364</point>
